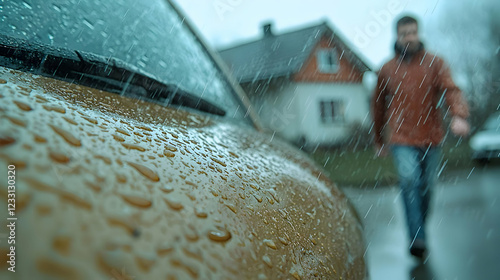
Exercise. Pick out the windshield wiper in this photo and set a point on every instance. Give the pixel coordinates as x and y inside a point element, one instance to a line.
<point>109,74</point>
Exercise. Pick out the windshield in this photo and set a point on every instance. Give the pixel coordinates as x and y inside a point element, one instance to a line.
<point>147,34</point>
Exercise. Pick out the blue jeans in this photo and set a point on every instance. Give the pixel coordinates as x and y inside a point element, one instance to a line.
<point>417,169</point>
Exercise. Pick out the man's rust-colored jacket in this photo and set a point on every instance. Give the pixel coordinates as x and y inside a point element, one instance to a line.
<point>407,100</point>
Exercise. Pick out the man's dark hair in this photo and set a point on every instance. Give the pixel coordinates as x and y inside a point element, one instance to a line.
<point>405,20</point>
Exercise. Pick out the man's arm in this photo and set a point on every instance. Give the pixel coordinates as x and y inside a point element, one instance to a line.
<point>455,100</point>
<point>378,108</point>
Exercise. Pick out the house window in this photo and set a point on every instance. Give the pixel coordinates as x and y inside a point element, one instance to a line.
<point>331,111</point>
<point>328,61</point>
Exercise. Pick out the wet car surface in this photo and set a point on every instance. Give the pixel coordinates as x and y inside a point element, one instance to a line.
<point>111,186</point>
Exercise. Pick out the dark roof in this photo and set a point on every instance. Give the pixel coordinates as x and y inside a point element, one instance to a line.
<point>283,54</point>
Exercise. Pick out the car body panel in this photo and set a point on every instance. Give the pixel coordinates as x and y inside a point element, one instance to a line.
<point>485,144</point>
<point>109,187</point>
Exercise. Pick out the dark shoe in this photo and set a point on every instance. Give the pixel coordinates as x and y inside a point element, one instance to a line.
<point>418,252</point>
<point>418,249</point>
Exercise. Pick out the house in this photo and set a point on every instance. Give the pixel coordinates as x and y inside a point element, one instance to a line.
<point>306,85</point>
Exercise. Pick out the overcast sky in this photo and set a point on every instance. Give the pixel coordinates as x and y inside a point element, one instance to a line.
<point>367,24</point>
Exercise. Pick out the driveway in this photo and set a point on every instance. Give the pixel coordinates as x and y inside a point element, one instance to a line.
<point>463,229</point>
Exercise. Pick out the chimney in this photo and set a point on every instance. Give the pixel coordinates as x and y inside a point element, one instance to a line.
<point>267,29</point>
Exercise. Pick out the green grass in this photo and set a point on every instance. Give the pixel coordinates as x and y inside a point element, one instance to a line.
<point>360,168</point>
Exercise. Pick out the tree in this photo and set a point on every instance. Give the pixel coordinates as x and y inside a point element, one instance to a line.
<point>467,35</point>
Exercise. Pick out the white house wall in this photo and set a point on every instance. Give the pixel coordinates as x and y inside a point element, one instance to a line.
<point>280,112</point>
<point>298,109</point>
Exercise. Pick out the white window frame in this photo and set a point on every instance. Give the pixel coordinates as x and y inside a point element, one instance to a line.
<point>331,111</point>
<point>328,60</point>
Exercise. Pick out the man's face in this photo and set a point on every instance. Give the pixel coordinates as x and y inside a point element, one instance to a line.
<point>408,37</point>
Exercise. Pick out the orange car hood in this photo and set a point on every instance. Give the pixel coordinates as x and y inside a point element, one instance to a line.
<point>111,187</point>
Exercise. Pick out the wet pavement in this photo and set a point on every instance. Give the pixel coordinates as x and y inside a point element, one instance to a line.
<point>463,229</point>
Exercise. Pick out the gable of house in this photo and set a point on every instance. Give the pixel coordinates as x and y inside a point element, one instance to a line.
<point>294,55</point>
<point>328,63</point>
